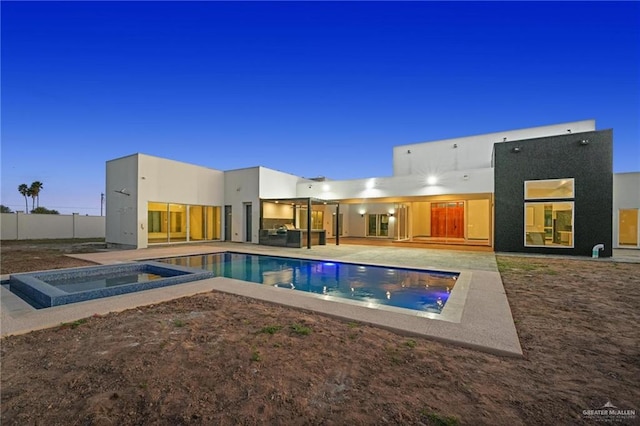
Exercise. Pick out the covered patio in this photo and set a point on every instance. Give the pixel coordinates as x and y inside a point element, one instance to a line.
<point>293,222</point>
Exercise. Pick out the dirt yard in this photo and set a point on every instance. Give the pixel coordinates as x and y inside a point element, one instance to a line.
<point>218,359</point>
<point>37,255</point>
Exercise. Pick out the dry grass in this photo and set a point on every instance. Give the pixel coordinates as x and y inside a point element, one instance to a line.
<point>223,359</point>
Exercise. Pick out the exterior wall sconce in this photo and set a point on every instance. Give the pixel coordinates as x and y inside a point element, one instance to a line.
<point>362,212</point>
<point>390,214</point>
<point>584,142</point>
<point>516,149</point>
<point>455,145</point>
<point>408,151</point>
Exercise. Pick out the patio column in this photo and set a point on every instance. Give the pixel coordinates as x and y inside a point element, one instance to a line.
<point>337,224</point>
<point>309,223</point>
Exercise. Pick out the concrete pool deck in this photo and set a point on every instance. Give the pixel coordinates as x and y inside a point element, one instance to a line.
<point>476,316</point>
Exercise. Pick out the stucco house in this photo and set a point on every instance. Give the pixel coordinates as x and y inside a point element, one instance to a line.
<point>547,189</point>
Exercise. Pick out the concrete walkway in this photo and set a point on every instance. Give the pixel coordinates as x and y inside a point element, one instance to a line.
<point>477,315</point>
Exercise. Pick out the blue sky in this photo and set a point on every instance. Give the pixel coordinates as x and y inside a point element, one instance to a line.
<point>307,88</point>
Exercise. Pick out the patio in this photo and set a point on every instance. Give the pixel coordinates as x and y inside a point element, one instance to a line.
<point>477,317</point>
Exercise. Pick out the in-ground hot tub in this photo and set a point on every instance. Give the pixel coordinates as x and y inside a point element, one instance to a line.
<point>60,287</point>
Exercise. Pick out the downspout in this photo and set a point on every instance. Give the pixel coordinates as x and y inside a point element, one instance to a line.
<point>595,251</point>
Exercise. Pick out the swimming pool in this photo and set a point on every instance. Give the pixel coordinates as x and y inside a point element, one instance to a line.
<point>419,290</point>
<point>60,287</point>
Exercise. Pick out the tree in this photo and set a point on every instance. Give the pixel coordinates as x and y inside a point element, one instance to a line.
<point>24,190</point>
<point>44,210</point>
<point>5,209</point>
<point>35,188</point>
<point>33,198</point>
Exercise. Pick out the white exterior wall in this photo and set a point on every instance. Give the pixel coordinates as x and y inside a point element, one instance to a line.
<point>168,181</point>
<point>277,211</point>
<point>20,226</point>
<point>358,223</point>
<point>147,178</point>
<point>453,182</point>
<point>122,210</point>
<point>626,195</point>
<point>461,166</point>
<point>249,185</point>
<point>346,212</point>
<point>275,184</point>
<point>240,187</point>
<point>369,194</point>
<point>471,152</point>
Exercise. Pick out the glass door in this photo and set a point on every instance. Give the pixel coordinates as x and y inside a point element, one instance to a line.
<point>227,223</point>
<point>248,217</point>
<point>402,222</point>
<point>628,227</point>
<point>378,225</point>
<point>333,229</point>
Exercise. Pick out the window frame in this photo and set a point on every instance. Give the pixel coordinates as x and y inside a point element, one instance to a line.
<point>571,197</point>
<point>529,202</point>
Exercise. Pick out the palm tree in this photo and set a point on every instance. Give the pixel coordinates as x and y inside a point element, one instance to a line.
<point>36,187</point>
<point>24,190</point>
<point>33,198</point>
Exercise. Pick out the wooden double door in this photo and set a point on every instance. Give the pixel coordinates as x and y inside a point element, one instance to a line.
<point>447,219</point>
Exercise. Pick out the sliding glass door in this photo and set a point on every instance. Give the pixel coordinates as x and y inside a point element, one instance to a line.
<point>203,223</point>
<point>378,225</point>
<point>168,223</point>
<point>402,222</point>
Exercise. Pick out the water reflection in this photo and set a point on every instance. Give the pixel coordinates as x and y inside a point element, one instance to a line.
<point>423,291</point>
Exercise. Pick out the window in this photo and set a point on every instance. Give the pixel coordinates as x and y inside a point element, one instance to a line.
<point>549,223</point>
<point>177,222</point>
<point>180,222</point>
<point>157,222</point>
<point>317,218</point>
<point>155,219</point>
<point>378,225</point>
<point>628,227</point>
<point>548,189</point>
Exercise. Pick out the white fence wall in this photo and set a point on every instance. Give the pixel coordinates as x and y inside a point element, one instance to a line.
<point>19,226</point>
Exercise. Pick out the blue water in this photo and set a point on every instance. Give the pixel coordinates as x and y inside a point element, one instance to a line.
<point>403,288</point>
<point>83,283</point>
